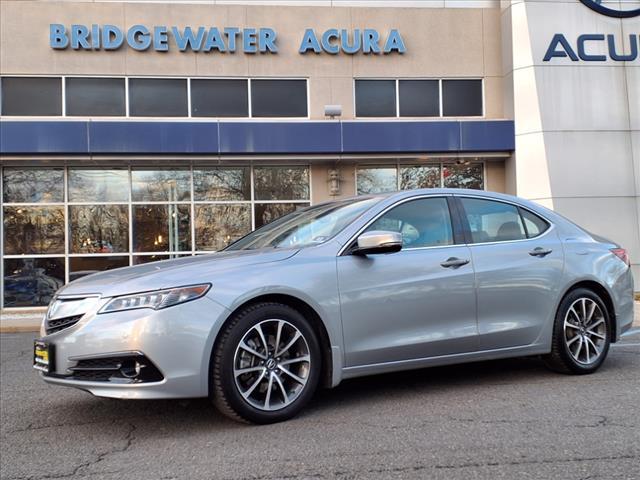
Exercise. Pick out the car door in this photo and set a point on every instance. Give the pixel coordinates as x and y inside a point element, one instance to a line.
<point>518,261</point>
<point>416,303</point>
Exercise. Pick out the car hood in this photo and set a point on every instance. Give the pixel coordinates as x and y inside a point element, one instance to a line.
<point>171,273</point>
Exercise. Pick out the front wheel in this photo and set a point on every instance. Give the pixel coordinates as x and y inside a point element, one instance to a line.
<point>581,334</point>
<point>266,364</point>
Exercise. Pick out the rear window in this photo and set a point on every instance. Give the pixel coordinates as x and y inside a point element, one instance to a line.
<point>533,223</point>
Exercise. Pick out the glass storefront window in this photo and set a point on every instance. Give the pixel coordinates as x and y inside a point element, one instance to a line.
<point>463,176</point>
<point>381,179</point>
<point>167,185</point>
<point>81,266</point>
<point>419,177</point>
<point>32,282</point>
<point>140,259</point>
<point>377,180</point>
<point>268,212</point>
<point>33,230</point>
<point>218,184</point>
<point>281,183</point>
<point>161,228</point>
<point>218,225</point>
<point>98,185</point>
<point>120,216</point>
<point>33,185</point>
<point>98,229</point>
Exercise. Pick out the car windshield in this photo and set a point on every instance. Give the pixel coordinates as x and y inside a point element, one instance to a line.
<point>309,226</point>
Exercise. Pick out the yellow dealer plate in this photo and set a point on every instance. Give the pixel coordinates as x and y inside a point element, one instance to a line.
<point>41,356</point>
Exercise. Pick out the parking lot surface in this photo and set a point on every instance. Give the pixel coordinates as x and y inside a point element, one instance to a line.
<point>504,419</point>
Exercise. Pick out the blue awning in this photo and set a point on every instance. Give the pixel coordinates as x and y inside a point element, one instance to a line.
<point>250,137</point>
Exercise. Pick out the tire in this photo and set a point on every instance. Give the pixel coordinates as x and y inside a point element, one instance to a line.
<point>579,333</point>
<point>292,374</point>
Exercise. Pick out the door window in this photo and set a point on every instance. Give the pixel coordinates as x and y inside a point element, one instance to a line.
<point>491,221</point>
<point>423,223</point>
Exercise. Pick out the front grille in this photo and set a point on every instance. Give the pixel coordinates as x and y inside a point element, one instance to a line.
<point>117,369</point>
<point>53,326</point>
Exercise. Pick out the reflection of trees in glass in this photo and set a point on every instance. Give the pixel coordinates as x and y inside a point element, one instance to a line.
<point>31,185</point>
<point>419,177</point>
<point>463,176</point>
<point>161,228</point>
<point>219,225</point>
<point>33,230</point>
<point>99,229</point>
<point>281,183</point>
<point>222,184</point>
<point>377,180</point>
<point>32,282</point>
<point>98,185</point>
<point>268,212</point>
<point>167,185</point>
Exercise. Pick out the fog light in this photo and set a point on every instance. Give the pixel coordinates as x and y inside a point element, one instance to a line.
<point>131,368</point>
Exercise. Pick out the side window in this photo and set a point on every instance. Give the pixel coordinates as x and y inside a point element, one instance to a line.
<point>534,224</point>
<point>492,221</point>
<point>423,223</point>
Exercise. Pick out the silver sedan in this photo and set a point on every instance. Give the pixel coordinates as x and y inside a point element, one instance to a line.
<point>339,290</point>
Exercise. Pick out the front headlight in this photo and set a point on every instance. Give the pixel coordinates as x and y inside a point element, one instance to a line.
<point>157,299</point>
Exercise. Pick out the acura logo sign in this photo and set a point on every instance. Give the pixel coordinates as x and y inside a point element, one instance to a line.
<point>612,9</point>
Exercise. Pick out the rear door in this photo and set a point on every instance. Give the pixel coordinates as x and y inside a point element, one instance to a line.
<point>518,260</point>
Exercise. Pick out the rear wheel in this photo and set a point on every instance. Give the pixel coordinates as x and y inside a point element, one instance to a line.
<point>266,364</point>
<point>581,334</point>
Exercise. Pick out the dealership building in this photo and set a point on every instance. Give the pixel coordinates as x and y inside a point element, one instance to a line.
<point>136,131</point>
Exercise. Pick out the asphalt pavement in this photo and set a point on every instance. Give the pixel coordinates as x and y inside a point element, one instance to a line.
<point>508,419</point>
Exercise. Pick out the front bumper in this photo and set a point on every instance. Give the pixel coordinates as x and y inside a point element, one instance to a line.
<point>178,340</point>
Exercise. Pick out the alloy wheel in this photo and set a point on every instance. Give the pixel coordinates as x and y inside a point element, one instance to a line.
<point>585,331</point>
<point>271,365</point>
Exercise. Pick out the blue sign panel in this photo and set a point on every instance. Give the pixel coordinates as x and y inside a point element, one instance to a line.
<point>247,138</point>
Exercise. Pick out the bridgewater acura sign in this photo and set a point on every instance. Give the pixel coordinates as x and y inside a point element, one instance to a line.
<point>226,40</point>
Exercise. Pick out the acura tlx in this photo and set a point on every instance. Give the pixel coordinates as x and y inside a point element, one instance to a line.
<point>353,287</point>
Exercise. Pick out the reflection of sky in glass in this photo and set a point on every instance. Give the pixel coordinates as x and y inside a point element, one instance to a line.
<point>377,180</point>
<point>98,185</point>
<point>167,185</point>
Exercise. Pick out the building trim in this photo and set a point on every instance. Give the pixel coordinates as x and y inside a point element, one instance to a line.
<point>91,137</point>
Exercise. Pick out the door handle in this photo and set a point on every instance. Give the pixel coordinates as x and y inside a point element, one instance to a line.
<point>454,262</point>
<point>540,252</point>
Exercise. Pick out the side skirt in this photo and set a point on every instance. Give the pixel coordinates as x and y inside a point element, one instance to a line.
<point>373,369</point>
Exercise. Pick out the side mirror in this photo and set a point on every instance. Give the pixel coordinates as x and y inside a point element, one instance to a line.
<point>378,241</point>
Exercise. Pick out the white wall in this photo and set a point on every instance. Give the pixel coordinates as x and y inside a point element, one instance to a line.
<point>577,123</point>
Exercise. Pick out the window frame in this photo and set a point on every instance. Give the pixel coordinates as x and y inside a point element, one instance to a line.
<point>188,79</point>
<point>467,229</point>
<point>454,215</point>
<point>132,255</point>
<point>399,164</point>
<point>439,117</point>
